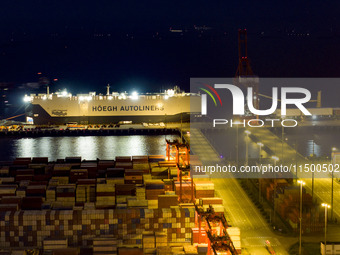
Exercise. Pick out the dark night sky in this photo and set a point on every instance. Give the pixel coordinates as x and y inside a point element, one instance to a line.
<point>43,15</point>
<point>60,39</point>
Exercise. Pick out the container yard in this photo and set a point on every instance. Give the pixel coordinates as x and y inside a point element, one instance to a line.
<point>127,205</point>
<point>287,197</point>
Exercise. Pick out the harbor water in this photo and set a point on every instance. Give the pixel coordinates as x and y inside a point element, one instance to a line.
<point>108,147</point>
<point>88,147</point>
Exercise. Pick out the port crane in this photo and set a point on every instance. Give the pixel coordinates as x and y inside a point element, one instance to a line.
<point>217,242</point>
<point>244,75</point>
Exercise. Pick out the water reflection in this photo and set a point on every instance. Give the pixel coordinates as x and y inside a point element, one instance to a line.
<point>88,147</point>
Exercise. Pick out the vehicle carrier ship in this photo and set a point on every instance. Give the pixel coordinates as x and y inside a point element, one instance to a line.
<point>62,107</point>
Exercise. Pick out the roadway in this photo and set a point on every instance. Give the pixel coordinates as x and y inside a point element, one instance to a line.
<point>322,180</point>
<point>240,209</point>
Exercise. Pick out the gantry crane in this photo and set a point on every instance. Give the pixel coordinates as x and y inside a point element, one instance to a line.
<point>180,153</point>
<point>217,242</point>
<point>244,74</point>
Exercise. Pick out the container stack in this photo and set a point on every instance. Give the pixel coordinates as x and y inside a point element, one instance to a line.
<point>124,162</point>
<point>130,251</point>
<point>11,200</point>
<point>92,168</point>
<point>149,242</point>
<point>81,196</point>
<point>168,184</point>
<point>73,160</point>
<point>51,193</point>
<point>161,239</point>
<point>105,196</point>
<point>160,172</point>
<point>134,202</point>
<point>166,201</point>
<point>140,159</point>
<point>145,168</point>
<point>156,158</point>
<point>140,192</point>
<point>4,171</point>
<point>36,191</point>
<point>204,189</point>
<point>121,199</point>
<point>62,180</point>
<point>154,188</point>
<point>186,249</point>
<point>24,174</point>
<point>104,164</point>
<point>10,203</point>
<point>54,244</point>
<point>115,175</point>
<point>8,190</point>
<point>287,205</point>
<point>61,172</point>
<point>235,236</point>
<point>9,180</point>
<point>31,203</point>
<point>78,174</point>
<point>141,163</point>
<point>210,201</point>
<point>78,226</point>
<point>66,194</point>
<point>186,189</point>
<point>167,164</point>
<point>87,190</point>
<point>125,191</point>
<point>22,162</point>
<point>104,245</point>
<point>202,249</point>
<point>163,250</point>
<point>190,250</point>
<point>133,177</point>
<point>173,172</point>
<point>21,191</point>
<point>67,251</point>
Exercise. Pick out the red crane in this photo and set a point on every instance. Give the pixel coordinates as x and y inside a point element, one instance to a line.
<point>244,73</point>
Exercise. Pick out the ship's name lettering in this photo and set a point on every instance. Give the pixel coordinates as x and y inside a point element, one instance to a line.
<point>135,108</point>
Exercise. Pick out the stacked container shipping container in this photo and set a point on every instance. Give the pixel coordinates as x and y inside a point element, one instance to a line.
<point>79,201</point>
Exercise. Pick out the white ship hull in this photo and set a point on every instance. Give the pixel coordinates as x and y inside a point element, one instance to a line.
<point>54,109</point>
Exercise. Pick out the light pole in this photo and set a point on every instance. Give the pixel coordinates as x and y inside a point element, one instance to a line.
<point>237,122</point>
<point>334,149</point>
<point>247,132</point>
<point>260,145</point>
<point>332,195</point>
<point>326,207</point>
<point>300,218</point>
<point>282,136</point>
<point>313,172</point>
<point>237,146</point>
<point>275,158</point>
<point>295,148</point>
